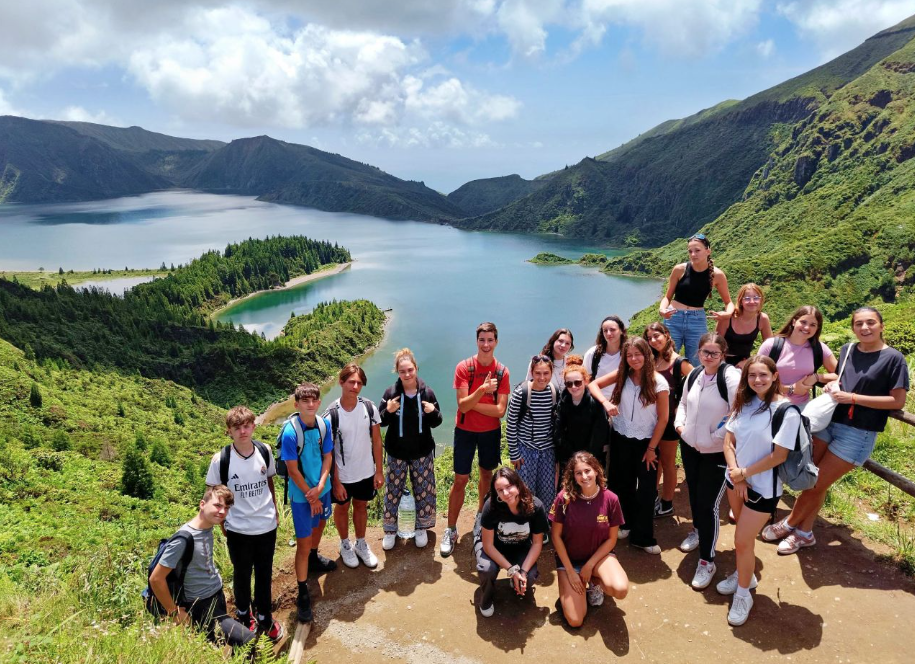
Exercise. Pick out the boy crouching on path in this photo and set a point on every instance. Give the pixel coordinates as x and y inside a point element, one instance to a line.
<point>247,467</point>
<point>204,601</point>
<point>308,463</point>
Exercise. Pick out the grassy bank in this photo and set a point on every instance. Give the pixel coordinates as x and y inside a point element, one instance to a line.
<point>38,279</point>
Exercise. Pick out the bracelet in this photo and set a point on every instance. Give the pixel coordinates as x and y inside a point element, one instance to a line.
<point>514,569</point>
<point>653,449</point>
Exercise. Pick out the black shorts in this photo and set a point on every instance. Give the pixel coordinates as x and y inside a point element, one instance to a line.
<point>466,444</point>
<point>756,502</point>
<point>361,490</point>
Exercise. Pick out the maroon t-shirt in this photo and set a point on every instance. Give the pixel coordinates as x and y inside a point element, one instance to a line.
<point>586,524</point>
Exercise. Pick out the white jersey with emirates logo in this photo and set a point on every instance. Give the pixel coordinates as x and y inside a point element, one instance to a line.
<point>253,512</point>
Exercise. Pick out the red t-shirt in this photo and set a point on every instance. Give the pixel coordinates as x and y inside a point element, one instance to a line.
<point>586,524</point>
<point>474,421</point>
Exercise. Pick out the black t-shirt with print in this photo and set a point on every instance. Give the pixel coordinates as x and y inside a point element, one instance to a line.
<point>871,374</point>
<point>512,532</point>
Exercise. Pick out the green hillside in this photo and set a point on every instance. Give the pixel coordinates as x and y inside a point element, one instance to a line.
<point>47,162</point>
<point>137,139</point>
<point>829,219</point>
<point>683,174</point>
<point>288,173</point>
<point>488,194</point>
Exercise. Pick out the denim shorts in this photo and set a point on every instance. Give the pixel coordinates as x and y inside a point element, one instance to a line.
<point>686,328</point>
<point>848,443</point>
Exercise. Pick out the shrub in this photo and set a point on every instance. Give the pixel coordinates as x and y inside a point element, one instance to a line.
<point>35,398</point>
<point>49,460</point>
<point>140,441</point>
<point>61,441</point>
<point>137,477</point>
<point>159,454</point>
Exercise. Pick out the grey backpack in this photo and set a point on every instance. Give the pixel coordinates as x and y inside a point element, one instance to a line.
<point>797,472</point>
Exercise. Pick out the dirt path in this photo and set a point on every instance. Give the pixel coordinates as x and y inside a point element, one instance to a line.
<point>834,603</point>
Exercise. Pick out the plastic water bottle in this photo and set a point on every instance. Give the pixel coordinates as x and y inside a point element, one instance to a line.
<point>406,516</point>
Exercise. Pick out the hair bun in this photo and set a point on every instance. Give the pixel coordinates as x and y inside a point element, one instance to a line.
<point>574,359</point>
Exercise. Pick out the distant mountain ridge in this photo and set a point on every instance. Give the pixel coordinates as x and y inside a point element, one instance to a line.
<point>681,174</point>
<point>50,161</point>
<point>485,195</point>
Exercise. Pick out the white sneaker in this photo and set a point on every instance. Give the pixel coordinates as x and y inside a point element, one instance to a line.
<point>705,572</point>
<point>691,543</point>
<point>348,555</point>
<point>488,611</point>
<point>740,610</point>
<point>365,554</point>
<point>654,549</point>
<point>390,539</point>
<point>729,585</point>
<point>595,594</point>
<point>421,538</point>
<point>478,526</point>
<point>449,539</point>
<point>623,534</point>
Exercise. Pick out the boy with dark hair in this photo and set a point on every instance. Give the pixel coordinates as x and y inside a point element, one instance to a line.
<point>202,599</point>
<point>247,468</point>
<point>482,386</point>
<point>307,451</point>
<point>356,425</point>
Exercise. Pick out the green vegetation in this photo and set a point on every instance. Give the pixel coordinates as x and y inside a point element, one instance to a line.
<point>160,329</point>
<point>38,280</point>
<point>210,281</point>
<point>546,258</point>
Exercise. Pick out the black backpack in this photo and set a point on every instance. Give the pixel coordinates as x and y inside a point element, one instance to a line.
<point>798,471</point>
<point>175,578</point>
<point>334,413</point>
<point>676,389</point>
<point>500,371</point>
<point>225,457</point>
<point>778,345</point>
<point>719,379</point>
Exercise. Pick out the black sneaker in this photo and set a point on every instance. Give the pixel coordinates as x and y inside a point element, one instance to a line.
<point>663,508</point>
<point>318,564</point>
<point>303,611</point>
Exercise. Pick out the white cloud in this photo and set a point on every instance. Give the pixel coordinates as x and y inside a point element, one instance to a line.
<point>7,108</point>
<point>683,28</point>
<point>435,135</point>
<point>238,68</point>
<point>839,25</point>
<point>766,48</point>
<point>524,23</point>
<point>80,114</point>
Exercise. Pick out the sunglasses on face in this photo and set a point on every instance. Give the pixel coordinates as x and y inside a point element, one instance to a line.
<point>574,383</point>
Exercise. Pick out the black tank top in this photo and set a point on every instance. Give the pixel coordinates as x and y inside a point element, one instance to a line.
<point>693,288</point>
<point>740,345</point>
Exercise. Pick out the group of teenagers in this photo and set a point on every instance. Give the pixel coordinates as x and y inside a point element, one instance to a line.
<point>592,445</point>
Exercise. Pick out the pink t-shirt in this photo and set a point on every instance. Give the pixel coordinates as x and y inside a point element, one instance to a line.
<point>795,363</point>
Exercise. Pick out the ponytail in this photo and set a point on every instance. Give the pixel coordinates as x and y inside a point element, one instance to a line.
<point>711,275</point>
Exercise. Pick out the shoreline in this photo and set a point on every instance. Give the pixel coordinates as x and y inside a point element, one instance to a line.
<point>279,409</point>
<point>326,271</point>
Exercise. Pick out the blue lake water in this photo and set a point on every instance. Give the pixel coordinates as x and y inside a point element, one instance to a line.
<point>439,282</point>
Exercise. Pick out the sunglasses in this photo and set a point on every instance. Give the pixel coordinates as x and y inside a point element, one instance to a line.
<point>574,383</point>
<point>537,359</point>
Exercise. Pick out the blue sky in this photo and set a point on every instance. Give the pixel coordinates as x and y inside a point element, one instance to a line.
<point>443,91</point>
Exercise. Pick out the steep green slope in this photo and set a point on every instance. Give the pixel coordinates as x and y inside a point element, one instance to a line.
<point>46,162</point>
<point>288,173</point>
<point>830,218</point>
<point>481,196</point>
<point>682,174</point>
